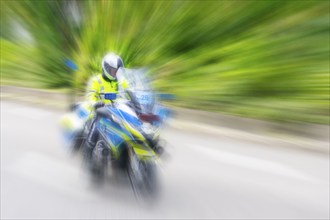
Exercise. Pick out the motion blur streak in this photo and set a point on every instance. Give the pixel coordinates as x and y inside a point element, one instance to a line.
<point>243,61</point>
<point>261,59</point>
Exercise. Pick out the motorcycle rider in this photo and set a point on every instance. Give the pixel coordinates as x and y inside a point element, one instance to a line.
<point>104,83</point>
<point>98,85</point>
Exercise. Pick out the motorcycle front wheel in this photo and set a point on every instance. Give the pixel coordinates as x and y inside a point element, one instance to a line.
<point>143,176</point>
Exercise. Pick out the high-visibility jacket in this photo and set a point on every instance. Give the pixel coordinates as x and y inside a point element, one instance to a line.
<point>97,86</point>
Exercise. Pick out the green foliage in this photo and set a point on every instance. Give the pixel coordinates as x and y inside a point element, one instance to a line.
<point>263,59</point>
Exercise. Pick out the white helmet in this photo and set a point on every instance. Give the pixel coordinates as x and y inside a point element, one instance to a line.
<point>110,65</point>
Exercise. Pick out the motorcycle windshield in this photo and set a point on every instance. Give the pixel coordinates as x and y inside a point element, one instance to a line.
<point>136,83</point>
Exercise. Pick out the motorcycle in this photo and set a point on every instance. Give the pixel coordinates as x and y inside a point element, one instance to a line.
<point>128,132</point>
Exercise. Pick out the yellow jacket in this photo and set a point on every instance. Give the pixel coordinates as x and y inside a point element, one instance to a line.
<point>97,86</point>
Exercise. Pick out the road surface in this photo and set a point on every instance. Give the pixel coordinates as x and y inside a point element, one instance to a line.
<point>202,176</point>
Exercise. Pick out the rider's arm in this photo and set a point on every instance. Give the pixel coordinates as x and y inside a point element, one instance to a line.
<point>122,88</point>
<point>93,91</point>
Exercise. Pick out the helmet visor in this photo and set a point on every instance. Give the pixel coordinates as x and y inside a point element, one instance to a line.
<point>111,70</point>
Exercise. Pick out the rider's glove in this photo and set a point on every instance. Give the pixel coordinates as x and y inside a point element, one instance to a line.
<point>98,105</point>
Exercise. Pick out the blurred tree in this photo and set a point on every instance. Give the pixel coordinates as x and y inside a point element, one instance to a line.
<point>264,59</point>
<point>51,26</point>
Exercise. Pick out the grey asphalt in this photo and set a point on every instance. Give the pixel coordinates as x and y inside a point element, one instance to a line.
<point>203,176</point>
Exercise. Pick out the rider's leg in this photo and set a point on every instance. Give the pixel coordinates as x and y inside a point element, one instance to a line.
<point>91,140</point>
